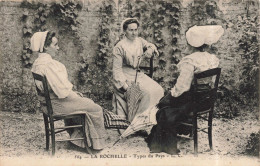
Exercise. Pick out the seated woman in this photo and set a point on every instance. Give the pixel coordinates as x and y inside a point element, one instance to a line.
<point>64,99</point>
<point>176,105</point>
<point>125,61</point>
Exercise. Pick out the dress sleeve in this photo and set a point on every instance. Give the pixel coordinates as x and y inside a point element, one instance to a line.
<point>40,72</point>
<point>57,77</point>
<point>184,80</point>
<point>118,75</point>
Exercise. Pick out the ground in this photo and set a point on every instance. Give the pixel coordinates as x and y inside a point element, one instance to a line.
<point>22,134</point>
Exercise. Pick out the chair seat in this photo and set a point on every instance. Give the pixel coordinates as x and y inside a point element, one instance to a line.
<point>66,116</point>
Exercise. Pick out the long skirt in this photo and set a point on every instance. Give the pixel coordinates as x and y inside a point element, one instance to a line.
<point>163,136</point>
<point>95,129</point>
<point>152,93</point>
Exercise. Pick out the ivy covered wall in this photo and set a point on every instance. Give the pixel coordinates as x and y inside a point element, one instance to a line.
<point>86,50</point>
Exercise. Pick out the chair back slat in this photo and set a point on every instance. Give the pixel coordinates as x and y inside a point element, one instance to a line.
<point>149,68</point>
<point>45,92</point>
<point>204,96</point>
<point>208,73</point>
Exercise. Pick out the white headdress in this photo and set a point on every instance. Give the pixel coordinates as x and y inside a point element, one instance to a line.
<point>208,34</point>
<point>38,40</point>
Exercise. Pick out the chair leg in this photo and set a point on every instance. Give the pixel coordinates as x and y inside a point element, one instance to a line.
<point>195,134</point>
<point>191,132</point>
<point>47,134</point>
<point>84,134</point>
<point>52,136</point>
<point>210,129</point>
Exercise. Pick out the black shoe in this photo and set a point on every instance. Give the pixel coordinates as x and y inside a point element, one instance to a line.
<point>172,151</point>
<point>184,130</point>
<point>95,151</point>
<point>72,146</point>
<point>141,133</point>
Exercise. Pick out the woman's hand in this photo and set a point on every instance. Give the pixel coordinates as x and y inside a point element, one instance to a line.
<point>125,86</point>
<point>155,51</point>
<point>80,94</point>
<point>148,52</point>
<point>123,91</point>
<point>151,50</point>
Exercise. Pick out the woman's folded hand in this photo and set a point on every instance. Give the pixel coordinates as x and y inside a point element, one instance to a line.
<point>80,94</point>
<point>154,50</point>
<point>151,50</point>
<point>148,52</point>
<point>156,53</point>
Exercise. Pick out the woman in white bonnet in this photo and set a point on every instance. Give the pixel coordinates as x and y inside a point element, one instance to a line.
<point>64,99</point>
<point>178,100</point>
<point>125,59</point>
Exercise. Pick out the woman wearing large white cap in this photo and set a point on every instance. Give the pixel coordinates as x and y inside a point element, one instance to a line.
<point>162,137</point>
<point>64,99</point>
<point>125,60</point>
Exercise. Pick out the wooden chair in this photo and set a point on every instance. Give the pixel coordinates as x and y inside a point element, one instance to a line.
<point>149,69</point>
<point>50,118</point>
<point>203,105</point>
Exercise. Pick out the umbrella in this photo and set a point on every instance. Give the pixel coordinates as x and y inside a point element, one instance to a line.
<point>142,121</point>
<point>133,97</point>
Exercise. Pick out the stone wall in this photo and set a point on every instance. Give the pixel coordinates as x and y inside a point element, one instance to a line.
<point>17,87</point>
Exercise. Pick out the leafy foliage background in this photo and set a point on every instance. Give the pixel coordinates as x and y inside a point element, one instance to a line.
<point>88,32</point>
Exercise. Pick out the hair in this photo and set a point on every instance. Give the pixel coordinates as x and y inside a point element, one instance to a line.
<point>202,48</point>
<point>130,21</point>
<point>48,39</point>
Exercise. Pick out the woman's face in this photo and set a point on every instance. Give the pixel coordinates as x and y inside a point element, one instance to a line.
<point>53,48</point>
<point>132,31</point>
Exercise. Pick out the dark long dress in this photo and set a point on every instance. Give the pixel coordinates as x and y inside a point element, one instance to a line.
<point>163,137</point>
<point>172,110</point>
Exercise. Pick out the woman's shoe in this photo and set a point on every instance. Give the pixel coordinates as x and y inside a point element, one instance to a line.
<point>173,151</point>
<point>142,133</point>
<point>96,151</point>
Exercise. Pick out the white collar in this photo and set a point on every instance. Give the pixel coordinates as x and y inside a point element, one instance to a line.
<point>44,55</point>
